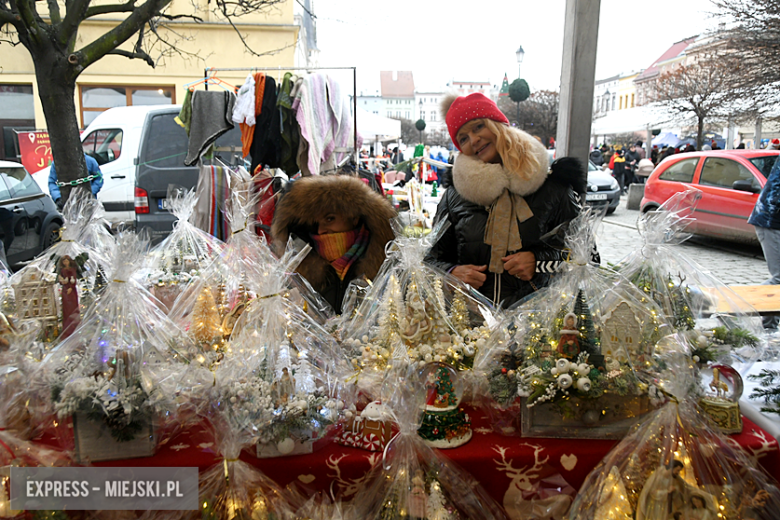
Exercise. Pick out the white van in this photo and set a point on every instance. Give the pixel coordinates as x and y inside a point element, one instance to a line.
<point>140,151</point>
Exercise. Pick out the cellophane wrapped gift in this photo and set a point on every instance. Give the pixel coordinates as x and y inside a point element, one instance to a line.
<point>96,235</point>
<point>115,379</point>
<point>59,285</point>
<point>721,326</point>
<point>207,310</point>
<point>18,452</point>
<point>173,264</point>
<point>20,407</point>
<point>284,378</point>
<point>413,480</point>
<point>675,464</point>
<point>563,362</point>
<point>414,314</point>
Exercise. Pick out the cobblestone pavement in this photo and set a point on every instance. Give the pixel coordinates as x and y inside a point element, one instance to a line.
<point>731,263</point>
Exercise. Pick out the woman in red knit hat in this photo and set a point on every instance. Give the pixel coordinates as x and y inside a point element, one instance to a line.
<point>504,199</point>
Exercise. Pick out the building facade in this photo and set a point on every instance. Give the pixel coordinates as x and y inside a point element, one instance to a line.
<point>285,33</point>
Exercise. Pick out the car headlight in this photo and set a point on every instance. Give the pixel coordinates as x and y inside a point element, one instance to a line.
<point>614,185</point>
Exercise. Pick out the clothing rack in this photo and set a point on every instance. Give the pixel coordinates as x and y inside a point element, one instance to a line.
<point>213,70</point>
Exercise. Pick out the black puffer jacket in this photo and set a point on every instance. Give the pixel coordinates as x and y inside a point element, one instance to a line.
<point>553,198</point>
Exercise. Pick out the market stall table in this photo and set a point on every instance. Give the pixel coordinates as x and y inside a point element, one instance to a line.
<point>511,469</point>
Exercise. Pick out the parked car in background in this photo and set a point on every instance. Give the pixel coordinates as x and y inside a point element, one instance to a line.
<point>141,150</point>
<point>730,181</point>
<point>603,189</point>
<point>29,221</point>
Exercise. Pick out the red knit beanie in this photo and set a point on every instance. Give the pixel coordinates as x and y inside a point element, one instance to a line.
<point>468,108</point>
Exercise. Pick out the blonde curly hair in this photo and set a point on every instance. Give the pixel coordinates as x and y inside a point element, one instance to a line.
<point>519,151</point>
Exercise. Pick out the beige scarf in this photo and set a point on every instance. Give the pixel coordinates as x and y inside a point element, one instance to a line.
<point>502,232</point>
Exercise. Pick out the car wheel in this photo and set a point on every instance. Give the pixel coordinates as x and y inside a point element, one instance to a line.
<point>51,235</point>
<point>610,211</point>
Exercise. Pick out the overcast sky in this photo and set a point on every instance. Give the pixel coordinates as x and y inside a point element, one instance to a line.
<point>445,40</point>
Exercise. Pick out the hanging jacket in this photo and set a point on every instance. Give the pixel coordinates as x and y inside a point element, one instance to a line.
<point>267,140</point>
<point>553,197</point>
<point>766,212</point>
<point>310,198</point>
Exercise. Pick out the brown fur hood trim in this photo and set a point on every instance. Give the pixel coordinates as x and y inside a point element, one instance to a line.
<point>311,198</point>
<point>481,183</point>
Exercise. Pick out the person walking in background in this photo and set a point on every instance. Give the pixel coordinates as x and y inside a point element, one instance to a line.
<point>774,144</point>
<point>596,158</point>
<point>640,150</point>
<point>654,154</point>
<point>632,158</point>
<point>93,169</point>
<point>766,219</point>
<point>620,170</point>
<point>607,153</point>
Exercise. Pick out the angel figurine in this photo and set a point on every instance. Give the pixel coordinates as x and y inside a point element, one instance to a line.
<point>418,500</point>
<point>67,275</point>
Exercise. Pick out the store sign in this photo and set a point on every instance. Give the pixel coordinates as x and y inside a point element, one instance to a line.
<point>35,149</point>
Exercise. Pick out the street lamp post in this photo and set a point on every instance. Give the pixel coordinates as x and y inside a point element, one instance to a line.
<point>520,53</point>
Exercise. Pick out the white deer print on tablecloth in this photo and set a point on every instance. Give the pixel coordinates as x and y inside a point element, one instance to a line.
<point>522,481</point>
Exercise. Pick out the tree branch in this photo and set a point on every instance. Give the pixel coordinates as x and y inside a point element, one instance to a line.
<point>121,33</point>
<point>54,12</point>
<point>76,11</point>
<point>27,22</point>
<point>95,10</point>
<point>133,55</point>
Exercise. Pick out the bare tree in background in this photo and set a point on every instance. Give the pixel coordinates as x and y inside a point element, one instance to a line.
<point>50,33</point>
<point>538,114</point>
<point>409,134</point>
<point>702,90</point>
<point>751,31</point>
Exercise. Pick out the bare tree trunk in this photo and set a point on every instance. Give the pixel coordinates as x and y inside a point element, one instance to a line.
<point>59,108</point>
<point>700,133</point>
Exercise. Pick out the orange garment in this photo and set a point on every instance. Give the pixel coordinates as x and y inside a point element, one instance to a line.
<point>248,132</point>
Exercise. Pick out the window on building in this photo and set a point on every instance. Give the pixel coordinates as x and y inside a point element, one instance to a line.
<point>389,114</point>
<point>397,113</point>
<point>433,116</point>
<point>17,112</point>
<point>632,100</point>
<point>613,101</point>
<point>97,99</point>
<point>620,103</point>
<point>422,115</point>
<point>406,114</point>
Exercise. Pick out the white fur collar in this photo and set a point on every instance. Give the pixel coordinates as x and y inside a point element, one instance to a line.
<point>482,183</point>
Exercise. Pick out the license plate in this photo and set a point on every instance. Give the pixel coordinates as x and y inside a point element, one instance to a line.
<point>596,196</point>
<point>162,204</point>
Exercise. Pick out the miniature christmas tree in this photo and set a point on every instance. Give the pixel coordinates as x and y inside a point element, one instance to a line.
<point>588,339</point>
<point>613,502</point>
<point>205,325</point>
<point>768,390</point>
<point>437,504</point>
<point>443,424</point>
<point>444,393</point>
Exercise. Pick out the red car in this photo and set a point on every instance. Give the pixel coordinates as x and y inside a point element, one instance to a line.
<point>730,181</point>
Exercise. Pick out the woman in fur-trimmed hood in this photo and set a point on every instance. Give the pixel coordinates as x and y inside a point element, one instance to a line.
<point>347,225</point>
<point>503,202</point>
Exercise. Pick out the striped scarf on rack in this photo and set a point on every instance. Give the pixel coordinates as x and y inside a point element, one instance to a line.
<point>342,250</point>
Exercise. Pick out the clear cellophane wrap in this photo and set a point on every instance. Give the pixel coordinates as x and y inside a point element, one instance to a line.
<point>412,480</point>
<point>721,326</point>
<point>582,336</point>
<point>61,283</point>
<point>414,314</point>
<point>121,366</point>
<point>675,464</point>
<point>18,452</point>
<point>184,255</point>
<point>20,407</point>
<point>96,234</point>
<point>284,379</point>
<point>207,310</point>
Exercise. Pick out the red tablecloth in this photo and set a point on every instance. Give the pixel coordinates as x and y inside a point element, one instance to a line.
<point>509,468</point>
